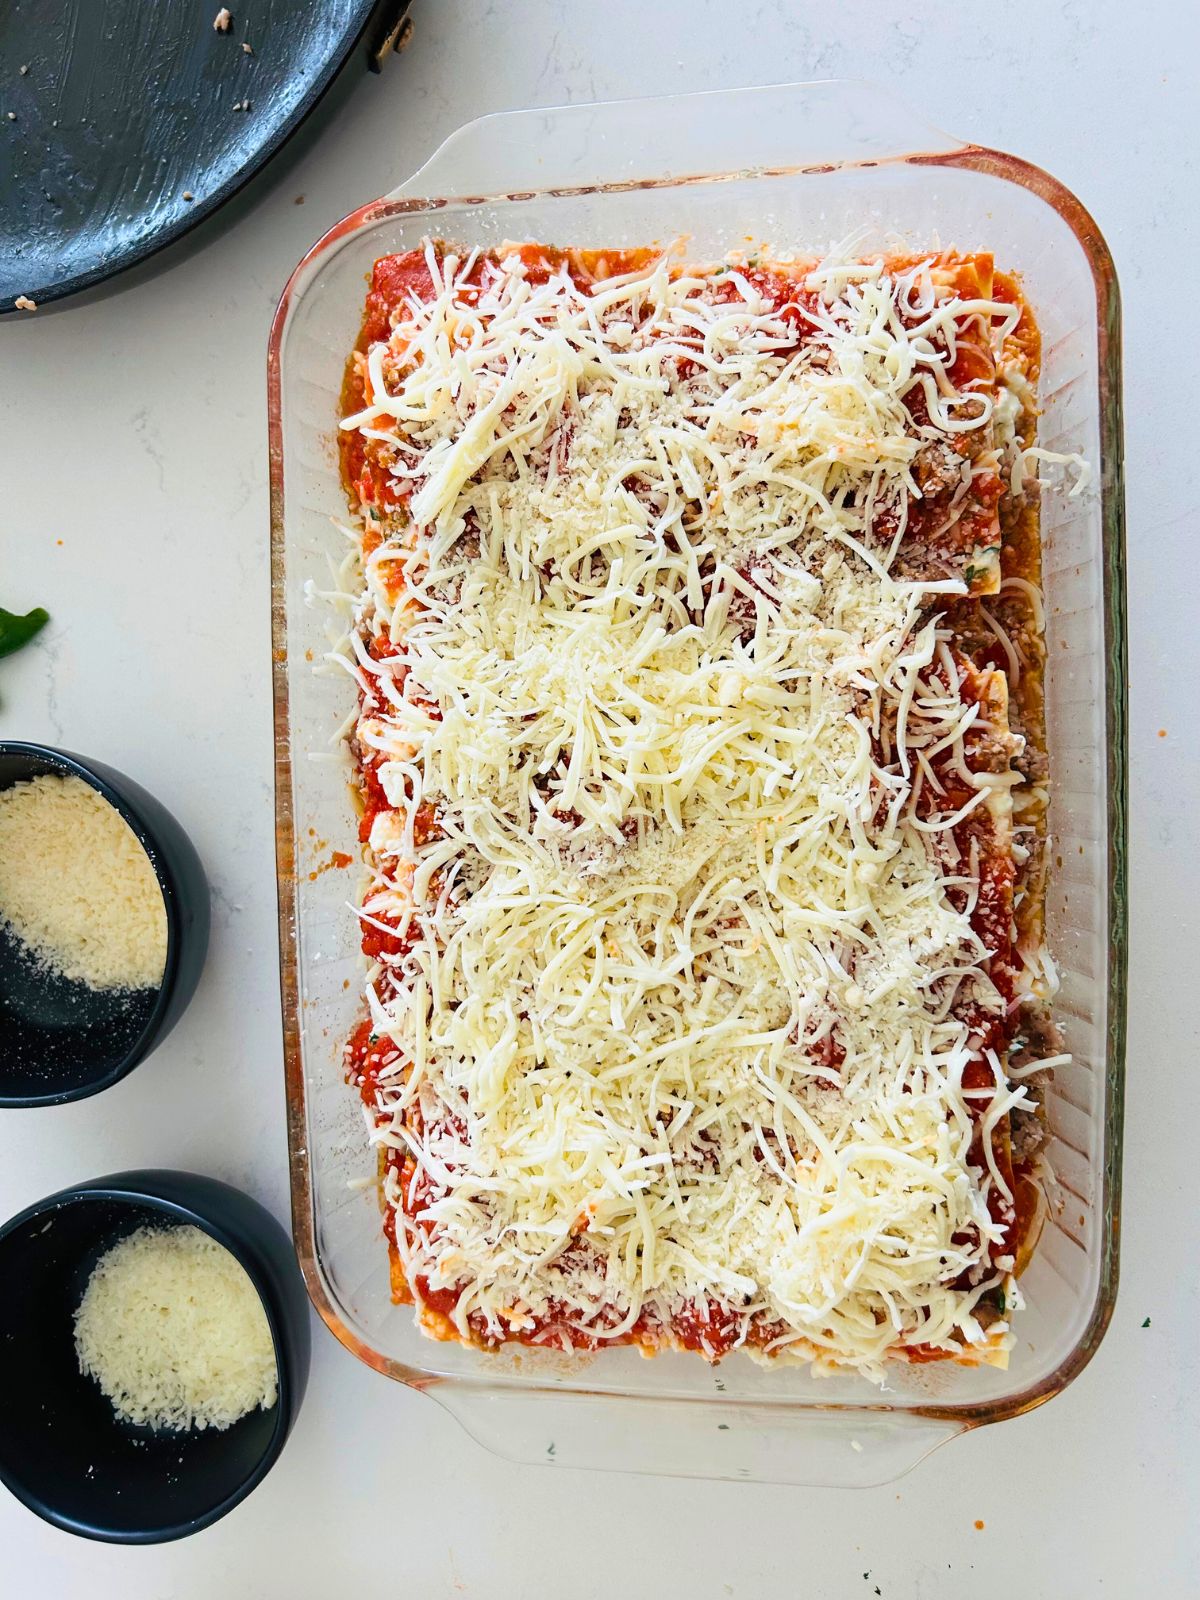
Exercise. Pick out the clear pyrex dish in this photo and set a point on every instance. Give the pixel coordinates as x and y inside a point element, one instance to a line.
<point>797,167</point>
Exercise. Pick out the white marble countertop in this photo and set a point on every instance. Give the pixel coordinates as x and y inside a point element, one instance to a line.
<point>135,507</point>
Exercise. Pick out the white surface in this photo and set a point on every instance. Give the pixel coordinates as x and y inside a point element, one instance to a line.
<point>134,506</point>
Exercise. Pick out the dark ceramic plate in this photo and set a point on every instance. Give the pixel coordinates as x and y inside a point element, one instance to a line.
<point>112,110</point>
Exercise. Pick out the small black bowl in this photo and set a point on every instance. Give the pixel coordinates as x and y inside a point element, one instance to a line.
<point>59,1039</point>
<point>63,1450</point>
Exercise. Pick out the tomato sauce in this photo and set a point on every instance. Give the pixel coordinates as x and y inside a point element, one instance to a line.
<point>708,1327</point>
<point>367,1054</point>
<point>374,800</point>
<point>919,1354</point>
<point>792,303</point>
<point>394,279</point>
<point>443,1301</point>
<point>377,942</point>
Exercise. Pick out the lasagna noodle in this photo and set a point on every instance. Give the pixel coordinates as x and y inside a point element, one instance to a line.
<point>464,460</point>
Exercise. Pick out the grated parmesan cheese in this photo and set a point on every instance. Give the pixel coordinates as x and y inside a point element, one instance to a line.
<point>173,1331</point>
<point>76,886</point>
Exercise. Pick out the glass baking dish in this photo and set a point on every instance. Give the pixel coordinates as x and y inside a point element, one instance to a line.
<point>796,167</point>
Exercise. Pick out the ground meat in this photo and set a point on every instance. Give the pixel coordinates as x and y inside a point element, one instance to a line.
<point>1032,763</point>
<point>1027,1134</point>
<point>922,563</point>
<point>937,469</point>
<point>993,750</point>
<point>1038,1038</point>
<point>972,637</point>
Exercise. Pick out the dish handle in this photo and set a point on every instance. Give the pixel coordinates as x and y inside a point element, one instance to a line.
<point>696,1439</point>
<point>839,122</point>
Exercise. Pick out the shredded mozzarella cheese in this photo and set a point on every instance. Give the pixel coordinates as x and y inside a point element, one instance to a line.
<point>686,1002</point>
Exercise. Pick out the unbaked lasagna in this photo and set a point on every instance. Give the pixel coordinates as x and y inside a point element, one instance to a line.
<point>700,760</point>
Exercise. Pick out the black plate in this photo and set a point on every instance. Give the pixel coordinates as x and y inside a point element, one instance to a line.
<point>112,110</point>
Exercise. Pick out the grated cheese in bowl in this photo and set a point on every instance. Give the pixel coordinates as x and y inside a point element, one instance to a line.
<point>174,1332</point>
<point>77,887</point>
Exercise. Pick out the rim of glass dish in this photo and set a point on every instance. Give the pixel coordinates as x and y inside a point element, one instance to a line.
<point>973,157</point>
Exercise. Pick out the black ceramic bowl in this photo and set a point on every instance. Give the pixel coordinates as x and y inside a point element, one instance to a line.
<point>63,1450</point>
<point>59,1039</point>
